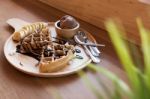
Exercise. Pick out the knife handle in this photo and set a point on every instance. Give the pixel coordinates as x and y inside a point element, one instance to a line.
<point>94,50</point>
<point>94,59</point>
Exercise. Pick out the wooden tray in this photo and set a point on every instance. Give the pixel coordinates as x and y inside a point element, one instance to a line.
<point>27,64</point>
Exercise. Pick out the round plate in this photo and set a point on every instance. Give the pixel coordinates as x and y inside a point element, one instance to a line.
<point>28,64</point>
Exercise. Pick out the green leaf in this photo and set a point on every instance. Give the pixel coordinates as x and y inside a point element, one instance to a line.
<point>104,87</point>
<point>89,84</point>
<point>123,87</point>
<point>123,53</point>
<point>116,94</point>
<point>145,39</point>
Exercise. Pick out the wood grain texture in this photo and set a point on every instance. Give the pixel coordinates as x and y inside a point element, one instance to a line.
<point>97,11</point>
<point>145,1</point>
<point>17,85</point>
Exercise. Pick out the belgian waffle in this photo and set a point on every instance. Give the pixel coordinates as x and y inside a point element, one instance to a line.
<point>55,57</point>
<point>35,42</point>
<point>52,55</point>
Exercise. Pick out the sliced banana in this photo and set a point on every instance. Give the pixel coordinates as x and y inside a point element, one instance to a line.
<point>18,35</point>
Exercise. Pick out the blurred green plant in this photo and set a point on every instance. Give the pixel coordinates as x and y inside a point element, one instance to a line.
<point>139,80</point>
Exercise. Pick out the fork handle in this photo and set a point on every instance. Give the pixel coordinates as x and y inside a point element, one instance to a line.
<point>92,44</point>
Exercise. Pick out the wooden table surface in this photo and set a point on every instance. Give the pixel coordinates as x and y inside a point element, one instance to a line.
<point>17,85</point>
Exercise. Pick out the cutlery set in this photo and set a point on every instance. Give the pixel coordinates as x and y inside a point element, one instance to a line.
<point>90,47</point>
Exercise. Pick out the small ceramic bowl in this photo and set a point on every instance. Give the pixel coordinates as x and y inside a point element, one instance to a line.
<point>66,33</point>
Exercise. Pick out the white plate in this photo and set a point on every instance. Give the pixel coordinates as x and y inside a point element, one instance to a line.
<point>27,64</point>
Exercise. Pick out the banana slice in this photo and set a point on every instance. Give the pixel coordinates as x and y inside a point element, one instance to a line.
<point>28,29</point>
